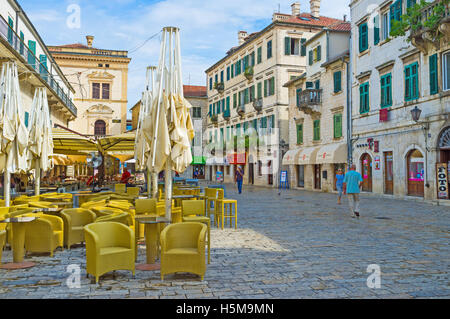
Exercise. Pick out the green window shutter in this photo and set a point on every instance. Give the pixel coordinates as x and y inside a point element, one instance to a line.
<point>434,88</point>
<point>273,121</point>
<point>299,133</point>
<point>272,86</point>
<point>376,30</point>
<point>234,100</point>
<point>310,57</point>
<point>386,90</point>
<point>363,37</point>
<point>210,110</point>
<point>246,99</point>
<point>337,125</point>
<point>287,46</point>
<point>228,105</point>
<point>303,47</point>
<point>259,90</point>
<point>317,84</point>
<point>27,115</point>
<point>309,85</point>
<point>364,98</point>
<point>319,53</point>
<point>410,3</point>
<point>337,81</point>
<point>316,133</point>
<point>252,93</point>
<point>232,70</point>
<point>32,53</point>
<point>259,55</point>
<point>411,82</point>
<point>10,31</point>
<point>298,92</point>
<point>22,46</point>
<point>269,49</point>
<point>265,88</point>
<point>252,59</point>
<point>210,83</point>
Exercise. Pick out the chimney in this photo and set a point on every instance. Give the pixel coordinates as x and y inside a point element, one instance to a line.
<point>295,8</point>
<point>241,36</point>
<point>315,8</point>
<point>90,39</point>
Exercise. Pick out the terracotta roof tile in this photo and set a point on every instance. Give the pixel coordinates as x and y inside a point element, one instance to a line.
<point>74,45</point>
<point>308,19</point>
<point>194,91</point>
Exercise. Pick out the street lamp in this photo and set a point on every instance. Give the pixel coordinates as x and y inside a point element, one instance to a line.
<point>415,113</point>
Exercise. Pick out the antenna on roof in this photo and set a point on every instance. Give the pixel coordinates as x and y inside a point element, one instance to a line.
<point>279,8</point>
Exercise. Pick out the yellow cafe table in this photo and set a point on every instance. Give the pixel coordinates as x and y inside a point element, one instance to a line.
<point>18,228</point>
<point>151,240</point>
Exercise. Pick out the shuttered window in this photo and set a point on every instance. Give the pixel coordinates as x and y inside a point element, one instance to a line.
<point>32,53</point>
<point>259,58</point>
<point>364,98</point>
<point>310,57</point>
<point>259,88</point>
<point>337,119</point>
<point>287,46</point>
<point>434,87</point>
<point>234,100</point>
<point>386,90</point>
<point>316,128</point>
<point>298,92</point>
<point>363,37</point>
<point>319,53</point>
<point>376,30</point>
<point>337,76</point>
<point>411,82</point>
<point>10,30</point>
<point>395,11</point>
<point>22,45</point>
<point>269,49</point>
<point>299,133</point>
<point>303,47</point>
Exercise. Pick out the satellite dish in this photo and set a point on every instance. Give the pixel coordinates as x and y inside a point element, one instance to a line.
<point>94,160</point>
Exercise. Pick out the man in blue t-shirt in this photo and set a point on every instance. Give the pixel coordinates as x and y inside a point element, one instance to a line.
<point>352,184</point>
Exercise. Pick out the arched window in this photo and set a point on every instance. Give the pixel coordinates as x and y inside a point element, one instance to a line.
<point>100,127</point>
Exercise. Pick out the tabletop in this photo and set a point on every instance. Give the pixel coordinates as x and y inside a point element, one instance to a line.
<point>18,220</point>
<point>183,196</point>
<point>49,209</point>
<point>152,220</point>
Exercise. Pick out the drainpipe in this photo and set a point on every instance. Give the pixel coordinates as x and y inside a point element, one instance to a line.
<point>349,105</point>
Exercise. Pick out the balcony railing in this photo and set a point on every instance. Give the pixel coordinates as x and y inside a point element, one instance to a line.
<point>310,100</point>
<point>19,46</point>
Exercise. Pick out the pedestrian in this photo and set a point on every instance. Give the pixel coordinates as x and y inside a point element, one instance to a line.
<point>239,177</point>
<point>352,185</point>
<point>340,184</point>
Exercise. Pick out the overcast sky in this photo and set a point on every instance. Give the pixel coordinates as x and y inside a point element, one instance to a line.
<point>207,28</point>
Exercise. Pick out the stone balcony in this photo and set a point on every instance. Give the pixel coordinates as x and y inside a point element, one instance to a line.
<point>310,101</point>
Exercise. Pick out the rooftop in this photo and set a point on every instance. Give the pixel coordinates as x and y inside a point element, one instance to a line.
<point>194,91</point>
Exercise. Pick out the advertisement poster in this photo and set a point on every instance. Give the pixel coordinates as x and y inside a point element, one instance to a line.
<point>377,163</point>
<point>442,180</point>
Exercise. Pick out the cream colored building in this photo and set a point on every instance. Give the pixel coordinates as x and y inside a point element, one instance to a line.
<point>250,96</point>
<point>392,77</point>
<point>318,112</point>
<point>100,79</point>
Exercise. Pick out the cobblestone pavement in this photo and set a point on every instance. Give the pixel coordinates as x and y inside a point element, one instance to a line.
<point>295,245</point>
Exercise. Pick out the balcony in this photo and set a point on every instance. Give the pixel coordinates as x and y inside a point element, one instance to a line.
<point>240,110</point>
<point>214,119</point>
<point>310,101</point>
<point>258,104</point>
<point>40,69</point>
<point>431,26</point>
<point>226,115</point>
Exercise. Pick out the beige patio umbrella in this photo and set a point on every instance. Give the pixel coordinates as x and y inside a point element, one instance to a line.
<point>14,134</point>
<point>40,142</point>
<point>170,129</point>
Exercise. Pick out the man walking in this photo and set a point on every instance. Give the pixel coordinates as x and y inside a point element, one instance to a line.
<point>352,185</point>
<point>239,178</point>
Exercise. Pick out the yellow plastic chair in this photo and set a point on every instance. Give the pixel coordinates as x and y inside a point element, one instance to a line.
<point>44,234</point>
<point>42,205</point>
<point>194,211</point>
<point>90,204</point>
<point>100,211</point>
<point>120,188</point>
<point>133,191</point>
<point>4,214</point>
<point>144,206</point>
<point>18,207</point>
<point>26,199</point>
<point>74,221</point>
<point>122,217</point>
<point>2,242</point>
<point>210,198</point>
<point>183,249</point>
<point>109,246</point>
<point>225,209</point>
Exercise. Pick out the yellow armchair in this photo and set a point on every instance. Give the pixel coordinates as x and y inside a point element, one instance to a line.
<point>120,188</point>
<point>104,211</point>
<point>2,242</point>
<point>122,217</point>
<point>133,191</point>
<point>109,246</point>
<point>44,234</point>
<point>42,205</point>
<point>183,249</point>
<point>74,221</point>
<point>194,211</point>
<point>93,203</point>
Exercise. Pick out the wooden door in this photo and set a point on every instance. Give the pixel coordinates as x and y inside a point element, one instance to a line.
<point>317,179</point>
<point>251,174</point>
<point>415,168</point>
<point>366,165</point>
<point>388,173</point>
<point>269,166</point>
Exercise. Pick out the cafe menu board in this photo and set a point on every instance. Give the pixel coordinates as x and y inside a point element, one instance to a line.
<point>442,180</point>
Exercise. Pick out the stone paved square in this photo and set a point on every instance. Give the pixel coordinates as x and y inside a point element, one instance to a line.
<point>297,244</point>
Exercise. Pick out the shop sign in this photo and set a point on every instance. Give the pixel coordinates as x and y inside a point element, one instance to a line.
<point>442,180</point>
<point>377,163</point>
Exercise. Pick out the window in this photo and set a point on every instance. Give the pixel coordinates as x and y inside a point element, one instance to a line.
<point>410,3</point>
<point>316,128</point>
<point>259,57</point>
<point>32,53</point>
<point>234,100</point>
<point>210,83</point>
<point>309,85</point>
<point>232,70</point>
<point>252,93</point>
<point>10,30</point>
<point>105,91</point>
<point>95,90</point>
<point>337,124</point>
<point>43,66</point>
<point>228,73</point>
<point>446,71</point>
<point>210,110</point>
<point>246,96</point>
<point>376,30</point>
<point>22,41</point>
<point>302,47</point>
<point>433,62</point>
<point>318,53</point>
<point>310,57</point>
<point>364,98</point>
<point>298,92</point>
<point>106,65</point>
<point>337,77</point>
<point>227,109</point>
<point>197,112</point>
<point>269,87</point>
<point>411,82</point>
<point>363,37</point>
<point>395,12</point>
<point>100,65</point>
<point>100,127</point>
<point>317,84</point>
<point>221,76</point>
<point>292,46</point>
<point>299,133</point>
<point>386,90</point>
<point>385,26</point>
<point>259,89</point>
<point>269,49</point>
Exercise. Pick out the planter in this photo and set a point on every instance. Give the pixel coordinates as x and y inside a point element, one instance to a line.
<point>248,73</point>
<point>220,87</point>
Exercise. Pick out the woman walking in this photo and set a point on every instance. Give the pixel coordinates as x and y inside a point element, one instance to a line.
<point>340,184</point>
<point>239,178</point>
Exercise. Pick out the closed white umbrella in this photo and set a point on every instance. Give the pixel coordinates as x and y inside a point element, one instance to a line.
<point>14,134</point>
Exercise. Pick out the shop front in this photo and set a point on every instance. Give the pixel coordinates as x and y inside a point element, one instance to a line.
<point>329,159</point>
<point>443,165</point>
<point>198,167</point>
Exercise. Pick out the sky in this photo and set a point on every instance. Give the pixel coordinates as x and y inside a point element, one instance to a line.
<point>208,29</point>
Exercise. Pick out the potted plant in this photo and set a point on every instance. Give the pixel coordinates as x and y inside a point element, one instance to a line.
<point>220,87</point>
<point>248,73</point>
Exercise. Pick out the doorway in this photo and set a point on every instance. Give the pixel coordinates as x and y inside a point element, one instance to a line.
<point>388,173</point>
<point>251,174</point>
<point>366,165</point>
<point>416,166</point>
<point>444,150</point>
<point>317,178</point>
<point>270,171</point>
<point>301,175</point>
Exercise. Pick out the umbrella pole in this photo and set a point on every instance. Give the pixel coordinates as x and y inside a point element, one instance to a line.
<point>155,186</point>
<point>37,179</point>
<point>149,184</point>
<point>7,187</point>
<point>168,188</point>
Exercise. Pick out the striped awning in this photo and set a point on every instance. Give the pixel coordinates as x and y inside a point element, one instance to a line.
<point>118,144</point>
<point>71,143</point>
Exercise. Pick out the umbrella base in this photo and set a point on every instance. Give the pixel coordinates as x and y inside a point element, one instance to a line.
<point>22,265</point>
<point>148,267</point>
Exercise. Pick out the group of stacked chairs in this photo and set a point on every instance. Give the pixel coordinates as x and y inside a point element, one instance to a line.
<point>106,223</point>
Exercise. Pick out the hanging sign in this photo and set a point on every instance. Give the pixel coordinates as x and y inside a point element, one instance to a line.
<point>442,180</point>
